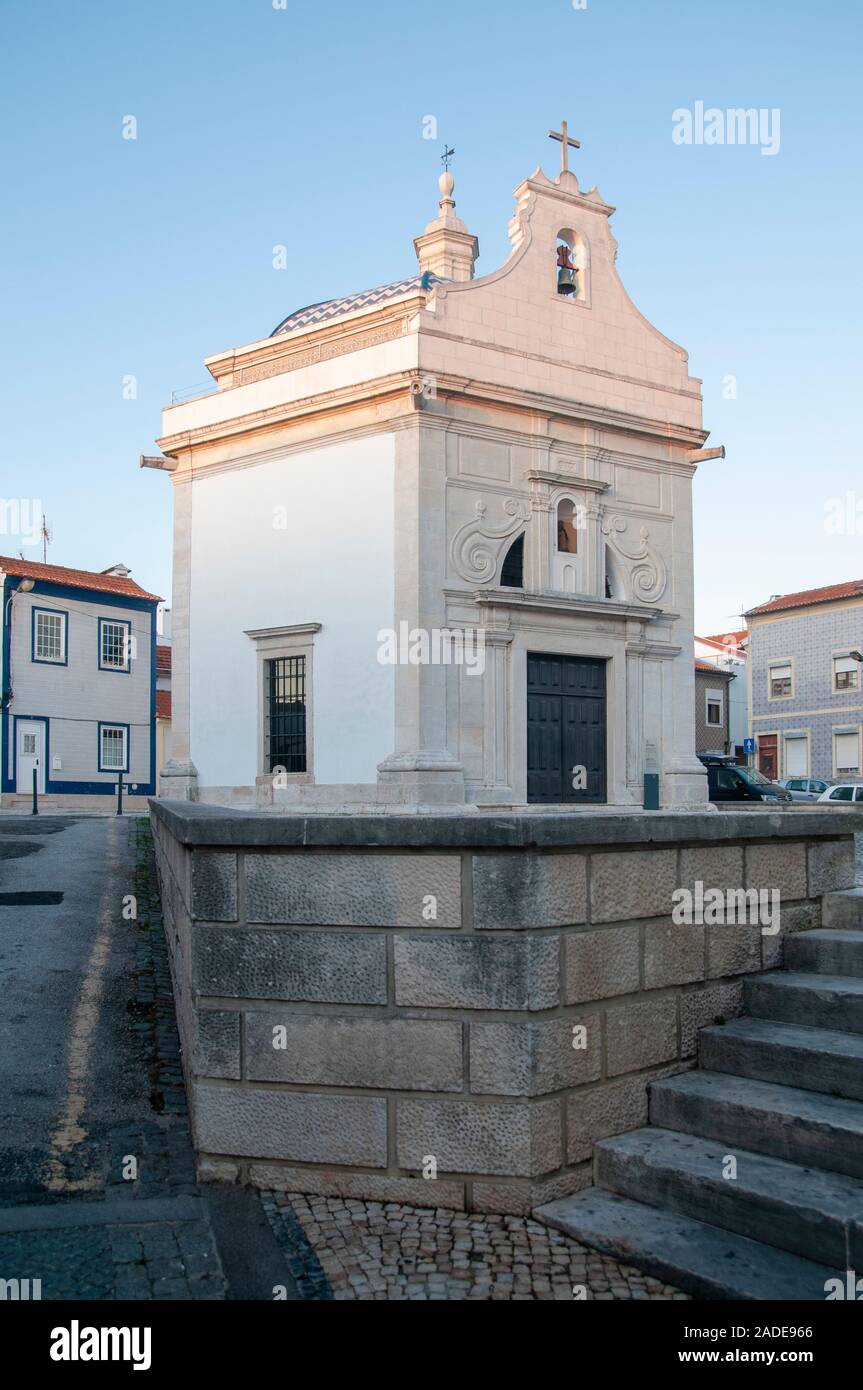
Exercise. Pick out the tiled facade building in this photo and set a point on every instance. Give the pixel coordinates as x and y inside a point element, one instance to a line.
<point>805,678</point>
<point>712,708</point>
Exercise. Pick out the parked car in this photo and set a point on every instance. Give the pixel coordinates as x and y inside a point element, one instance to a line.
<point>728,782</point>
<point>805,788</point>
<point>843,791</point>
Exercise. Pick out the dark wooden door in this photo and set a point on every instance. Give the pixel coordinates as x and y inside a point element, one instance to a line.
<point>768,756</point>
<point>566,728</point>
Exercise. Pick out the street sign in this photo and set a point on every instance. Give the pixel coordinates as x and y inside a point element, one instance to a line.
<point>749,745</point>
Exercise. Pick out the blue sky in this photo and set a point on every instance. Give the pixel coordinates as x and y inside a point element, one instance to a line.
<point>303,126</point>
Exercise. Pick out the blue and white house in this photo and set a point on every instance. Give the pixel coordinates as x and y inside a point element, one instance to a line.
<point>806,682</point>
<point>78,684</point>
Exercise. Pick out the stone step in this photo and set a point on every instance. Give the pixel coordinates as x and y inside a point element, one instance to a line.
<point>810,999</point>
<point>816,1059</point>
<point>843,909</point>
<point>826,952</point>
<point>797,1126</point>
<point>807,1211</point>
<point>700,1259</point>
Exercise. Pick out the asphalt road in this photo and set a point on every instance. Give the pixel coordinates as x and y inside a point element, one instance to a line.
<point>73,1069</point>
<point>98,1192</point>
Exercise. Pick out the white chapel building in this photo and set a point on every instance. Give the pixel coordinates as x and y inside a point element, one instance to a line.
<point>433,541</point>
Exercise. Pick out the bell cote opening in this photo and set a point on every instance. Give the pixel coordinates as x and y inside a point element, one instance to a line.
<point>571,256</point>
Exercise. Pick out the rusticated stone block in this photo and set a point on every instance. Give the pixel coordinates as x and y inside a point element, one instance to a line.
<point>673,954</point>
<point>601,964</point>
<point>640,1035</point>
<point>733,950</point>
<point>781,865</point>
<point>214,886</point>
<point>601,1112</point>
<point>531,1059</point>
<point>354,890</point>
<point>638,883</point>
<point>699,1008</point>
<point>521,1196</point>
<point>715,866</point>
<point>518,890</point>
<point>384,1053</point>
<point>520,1139</point>
<point>364,1187</point>
<point>297,1126</point>
<point>832,866</point>
<point>316,967</point>
<point>217,1043</point>
<point>794,918</point>
<point>474,972</point>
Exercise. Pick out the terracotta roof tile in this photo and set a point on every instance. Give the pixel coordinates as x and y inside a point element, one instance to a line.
<point>76,579</point>
<point>163,704</point>
<point>852,588</point>
<point>713,670</point>
<point>726,639</point>
<point>163,660</point>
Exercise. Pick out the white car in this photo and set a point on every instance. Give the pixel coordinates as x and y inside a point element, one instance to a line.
<point>844,791</point>
<point>805,788</point>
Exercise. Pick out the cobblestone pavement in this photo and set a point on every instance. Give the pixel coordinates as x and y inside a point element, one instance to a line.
<point>391,1252</point>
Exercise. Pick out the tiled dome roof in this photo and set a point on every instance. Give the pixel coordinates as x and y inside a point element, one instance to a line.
<point>330,308</point>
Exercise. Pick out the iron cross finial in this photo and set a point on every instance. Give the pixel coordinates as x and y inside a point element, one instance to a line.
<point>446,156</point>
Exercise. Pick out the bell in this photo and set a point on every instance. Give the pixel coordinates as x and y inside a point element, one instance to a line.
<point>566,280</point>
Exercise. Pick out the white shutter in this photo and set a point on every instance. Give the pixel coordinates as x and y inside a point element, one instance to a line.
<point>847,752</point>
<point>795,757</point>
<point>845,663</point>
<point>780,673</point>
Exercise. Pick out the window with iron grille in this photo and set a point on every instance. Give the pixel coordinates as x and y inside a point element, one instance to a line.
<point>114,645</point>
<point>285,713</point>
<point>49,636</point>
<point>112,748</point>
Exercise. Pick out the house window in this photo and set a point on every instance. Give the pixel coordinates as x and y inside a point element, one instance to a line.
<point>49,636</point>
<point>113,748</point>
<point>714,708</point>
<point>567,527</point>
<point>115,645</point>
<point>846,752</point>
<point>845,673</point>
<point>285,714</point>
<point>796,754</point>
<point>780,681</point>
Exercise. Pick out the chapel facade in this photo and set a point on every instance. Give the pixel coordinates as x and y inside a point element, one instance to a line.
<point>433,542</point>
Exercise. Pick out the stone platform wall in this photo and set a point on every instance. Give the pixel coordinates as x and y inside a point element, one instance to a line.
<point>421,978</point>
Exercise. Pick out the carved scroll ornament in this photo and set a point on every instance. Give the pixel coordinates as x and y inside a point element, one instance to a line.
<point>476,546</point>
<point>648,575</point>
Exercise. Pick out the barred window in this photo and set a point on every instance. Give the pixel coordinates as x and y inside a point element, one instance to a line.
<point>112,748</point>
<point>285,714</point>
<point>49,636</point>
<point>114,645</point>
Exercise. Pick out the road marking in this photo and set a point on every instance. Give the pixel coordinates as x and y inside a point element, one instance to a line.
<point>69,1131</point>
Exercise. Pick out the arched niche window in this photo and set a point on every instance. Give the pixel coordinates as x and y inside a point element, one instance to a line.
<point>567,527</point>
<point>512,572</point>
<point>613,581</point>
<point>572,265</point>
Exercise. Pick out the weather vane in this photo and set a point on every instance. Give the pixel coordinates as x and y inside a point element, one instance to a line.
<point>446,156</point>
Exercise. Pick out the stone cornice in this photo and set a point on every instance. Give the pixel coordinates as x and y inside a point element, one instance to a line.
<point>193,823</point>
<point>570,480</point>
<point>402,392</point>
<point>521,600</point>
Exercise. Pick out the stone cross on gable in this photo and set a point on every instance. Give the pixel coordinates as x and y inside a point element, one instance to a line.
<point>566,143</point>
